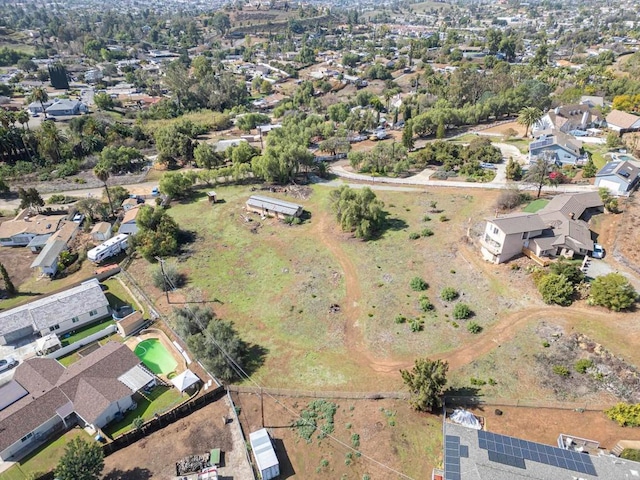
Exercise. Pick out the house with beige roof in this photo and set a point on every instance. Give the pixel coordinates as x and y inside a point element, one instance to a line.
<point>49,257</point>
<point>622,122</point>
<point>128,224</point>
<point>44,398</point>
<point>21,230</point>
<point>559,229</point>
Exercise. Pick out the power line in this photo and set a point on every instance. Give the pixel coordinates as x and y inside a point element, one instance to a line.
<point>243,374</point>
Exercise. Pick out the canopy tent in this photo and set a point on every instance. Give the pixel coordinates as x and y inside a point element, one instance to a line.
<point>185,380</point>
<point>465,418</point>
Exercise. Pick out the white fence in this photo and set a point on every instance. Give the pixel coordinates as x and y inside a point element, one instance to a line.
<point>81,343</point>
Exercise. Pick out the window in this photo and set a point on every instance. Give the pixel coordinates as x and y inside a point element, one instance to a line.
<point>93,313</point>
<point>54,327</point>
<point>75,320</point>
<point>26,437</point>
<point>495,230</point>
<point>525,235</point>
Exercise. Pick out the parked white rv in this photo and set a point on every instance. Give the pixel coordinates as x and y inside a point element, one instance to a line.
<point>111,247</point>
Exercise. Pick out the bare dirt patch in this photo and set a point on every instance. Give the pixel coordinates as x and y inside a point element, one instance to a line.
<point>17,261</point>
<point>387,431</point>
<point>193,435</point>
<point>505,128</point>
<point>622,232</point>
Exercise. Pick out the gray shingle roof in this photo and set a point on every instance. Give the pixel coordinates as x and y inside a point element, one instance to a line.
<point>518,223</point>
<point>477,466</point>
<point>49,254</point>
<point>51,310</point>
<point>573,204</point>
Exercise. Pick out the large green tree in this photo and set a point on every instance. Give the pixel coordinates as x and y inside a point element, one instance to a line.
<point>8,284</point>
<point>102,172</point>
<point>528,117</point>
<point>82,460</point>
<point>426,382</point>
<point>538,175</point>
<point>357,211</point>
<point>40,95</point>
<point>613,291</point>
<point>158,233</point>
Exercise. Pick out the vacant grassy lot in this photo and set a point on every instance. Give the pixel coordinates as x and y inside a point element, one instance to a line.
<point>278,284</point>
<point>44,458</point>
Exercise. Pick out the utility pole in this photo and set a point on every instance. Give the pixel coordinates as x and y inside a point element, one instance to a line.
<point>164,278</point>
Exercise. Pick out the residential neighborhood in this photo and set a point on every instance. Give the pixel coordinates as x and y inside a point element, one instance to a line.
<point>311,240</point>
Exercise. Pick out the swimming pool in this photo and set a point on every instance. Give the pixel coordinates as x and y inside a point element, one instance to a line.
<point>155,356</point>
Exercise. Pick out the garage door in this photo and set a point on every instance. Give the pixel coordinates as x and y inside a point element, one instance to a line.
<point>613,186</point>
<point>13,337</point>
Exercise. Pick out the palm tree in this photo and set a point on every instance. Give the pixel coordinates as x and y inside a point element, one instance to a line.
<point>49,141</point>
<point>528,117</point>
<point>22,117</point>
<point>102,173</point>
<point>39,94</point>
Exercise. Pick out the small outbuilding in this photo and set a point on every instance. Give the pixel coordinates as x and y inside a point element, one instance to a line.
<point>273,207</point>
<point>211,196</point>
<point>185,380</point>
<point>131,324</point>
<point>101,231</point>
<point>265,454</point>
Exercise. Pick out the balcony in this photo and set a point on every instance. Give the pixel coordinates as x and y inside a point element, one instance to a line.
<point>491,245</point>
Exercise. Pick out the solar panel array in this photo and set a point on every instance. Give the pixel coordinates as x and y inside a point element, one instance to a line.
<point>513,452</point>
<point>452,457</point>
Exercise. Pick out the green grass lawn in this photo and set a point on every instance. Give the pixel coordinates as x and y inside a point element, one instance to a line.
<point>536,205</point>
<point>521,143</point>
<point>597,154</point>
<point>44,458</point>
<point>89,330</point>
<point>118,295</point>
<point>159,400</point>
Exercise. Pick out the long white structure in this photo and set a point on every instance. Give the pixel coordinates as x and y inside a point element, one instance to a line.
<point>111,247</point>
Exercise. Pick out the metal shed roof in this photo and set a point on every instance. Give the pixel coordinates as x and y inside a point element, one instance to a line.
<point>273,204</point>
<point>49,254</point>
<point>263,449</point>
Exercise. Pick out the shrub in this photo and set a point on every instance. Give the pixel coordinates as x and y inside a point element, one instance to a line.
<point>416,324</point>
<point>400,319</point>
<point>561,370</point>
<point>612,291</point>
<point>583,365</point>
<point>444,218</point>
<point>426,218</point>
<point>510,199</point>
<point>631,454</point>
<point>556,289</point>
<point>570,270</point>
<point>546,344</point>
<point>474,327</point>
<point>355,440</point>
<point>462,311</point>
<point>137,422</point>
<point>173,277</point>
<point>418,284</point>
<point>414,236</point>
<point>477,382</point>
<point>425,304</point>
<point>627,415</point>
<point>449,294</point>
<point>426,232</point>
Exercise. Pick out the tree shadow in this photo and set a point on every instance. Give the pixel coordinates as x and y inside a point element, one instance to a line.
<point>255,357</point>
<point>186,237</point>
<point>136,473</point>
<point>389,224</point>
<point>462,396</point>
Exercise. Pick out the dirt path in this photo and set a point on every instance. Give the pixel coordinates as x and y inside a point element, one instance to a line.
<point>502,332</point>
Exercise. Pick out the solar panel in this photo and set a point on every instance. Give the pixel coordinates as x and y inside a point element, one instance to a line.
<point>513,452</point>
<point>452,457</point>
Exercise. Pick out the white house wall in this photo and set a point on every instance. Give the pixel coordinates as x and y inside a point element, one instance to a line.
<point>38,434</point>
<point>83,318</point>
<point>109,414</point>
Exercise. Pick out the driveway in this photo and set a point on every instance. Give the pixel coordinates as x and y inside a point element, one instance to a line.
<point>21,352</point>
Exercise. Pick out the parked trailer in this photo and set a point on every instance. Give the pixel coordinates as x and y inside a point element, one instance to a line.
<point>111,247</point>
<point>264,454</point>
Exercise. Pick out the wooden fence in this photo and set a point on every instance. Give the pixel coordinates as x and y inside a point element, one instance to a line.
<point>163,420</point>
<point>472,401</point>
<point>282,392</point>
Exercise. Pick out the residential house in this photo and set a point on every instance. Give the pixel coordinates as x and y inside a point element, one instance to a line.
<point>620,177</point>
<point>592,101</point>
<point>101,231</point>
<point>129,203</point>
<point>477,454</point>
<point>20,231</point>
<point>66,107</point>
<point>558,148</point>
<point>568,118</point>
<point>222,145</point>
<point>38,242</point>
<point>622,122</point>
<point>36,107</point>
<point>49,258</point>
<point>560,228</point>
<point>57,313</point>
<point>273,207</point>
<point>45,398</point>
<point>128,224</point>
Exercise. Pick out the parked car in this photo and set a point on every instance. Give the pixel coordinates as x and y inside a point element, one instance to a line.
<point>155,191</point>
<point>7,363</point>
<point>598,251</point>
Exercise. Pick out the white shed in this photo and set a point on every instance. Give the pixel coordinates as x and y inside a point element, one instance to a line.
<point>265,455</point>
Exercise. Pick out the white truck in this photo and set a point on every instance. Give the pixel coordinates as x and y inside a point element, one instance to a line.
<point>111,247</point>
